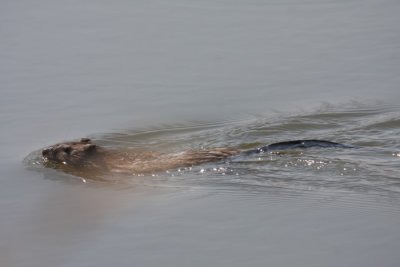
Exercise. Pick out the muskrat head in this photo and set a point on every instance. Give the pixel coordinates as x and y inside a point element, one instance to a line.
<point>70,153</point>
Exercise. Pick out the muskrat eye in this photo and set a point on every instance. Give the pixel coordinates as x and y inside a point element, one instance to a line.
<point>67,149</point>
<point>45,151</point>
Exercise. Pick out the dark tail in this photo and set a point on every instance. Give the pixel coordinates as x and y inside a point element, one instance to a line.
<point>296,144</point>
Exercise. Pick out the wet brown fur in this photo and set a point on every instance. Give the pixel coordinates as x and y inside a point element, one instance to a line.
<point>84,155</point>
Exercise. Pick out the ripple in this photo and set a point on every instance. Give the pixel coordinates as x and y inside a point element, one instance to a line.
<point>370,168</point>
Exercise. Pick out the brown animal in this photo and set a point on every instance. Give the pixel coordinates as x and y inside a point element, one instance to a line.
<point>82,158</point>
<point>83,155</point>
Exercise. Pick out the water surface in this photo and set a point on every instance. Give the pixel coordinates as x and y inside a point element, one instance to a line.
<point>170,76</point>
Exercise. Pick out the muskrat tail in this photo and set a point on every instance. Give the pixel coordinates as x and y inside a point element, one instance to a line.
<point>296,144</point>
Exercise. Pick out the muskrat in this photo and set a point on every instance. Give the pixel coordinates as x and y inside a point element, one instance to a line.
<point>84,155</point>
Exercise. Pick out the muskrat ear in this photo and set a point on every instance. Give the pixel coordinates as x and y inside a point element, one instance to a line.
<point>85,140</point>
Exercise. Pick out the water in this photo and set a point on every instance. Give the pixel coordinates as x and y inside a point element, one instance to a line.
<point>370,167</point>
<point>179,75</point>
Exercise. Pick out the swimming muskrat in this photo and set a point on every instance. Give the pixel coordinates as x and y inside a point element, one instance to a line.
<point>84,155</point>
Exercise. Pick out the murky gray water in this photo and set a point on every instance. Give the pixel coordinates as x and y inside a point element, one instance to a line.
<point>180,75</point>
